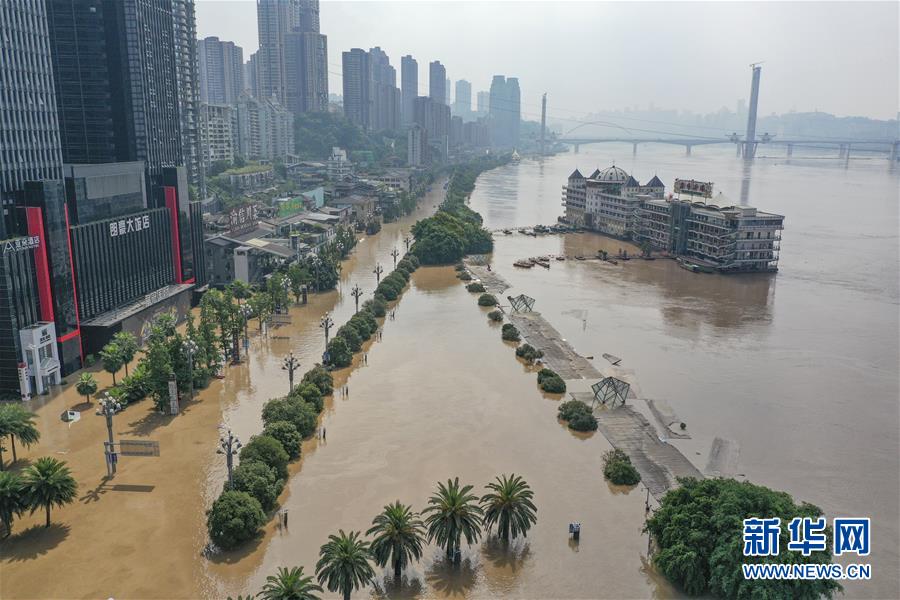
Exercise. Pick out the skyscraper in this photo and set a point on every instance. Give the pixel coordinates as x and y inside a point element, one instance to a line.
<point>274,19</point>
<point>221,71</point>
<point>462,105</point>
<point>409,85</point>
<point>309,16</point>
<point>188,90</point>
<point>386,98</point>
<point>358,87</point>
<point>306,70</point>
<point>447,86</point>
<point>437,82</point>
<point>484,102</point>
<point>505,111</point>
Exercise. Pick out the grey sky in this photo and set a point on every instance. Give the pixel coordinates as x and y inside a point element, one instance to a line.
<point>839,57</point>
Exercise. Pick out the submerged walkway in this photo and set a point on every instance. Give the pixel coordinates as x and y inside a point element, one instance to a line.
<point>659,463</point>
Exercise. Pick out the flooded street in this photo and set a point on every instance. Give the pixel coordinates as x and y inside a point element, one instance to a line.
<point>799,368</point>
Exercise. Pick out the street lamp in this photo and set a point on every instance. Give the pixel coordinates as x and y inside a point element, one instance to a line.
<point>290,365</point>
<point>190,348</point>
<point>356,293</point>
<point>229,445</point>
<point>395,253</point>
<point>378,270</point>
<point>326,324</point>
<point>246,312</point>
<point>107,407</point>
<point>407,240</point>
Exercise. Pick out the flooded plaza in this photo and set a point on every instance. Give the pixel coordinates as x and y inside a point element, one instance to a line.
<point>798,370</point>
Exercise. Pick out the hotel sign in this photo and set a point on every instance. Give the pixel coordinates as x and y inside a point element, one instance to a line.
<point>20,244</point>
<point>242,219</point>
<point>129,225</point>
<point>694,188</point>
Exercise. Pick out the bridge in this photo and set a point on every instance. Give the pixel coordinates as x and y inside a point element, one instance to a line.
<point>843,147</point>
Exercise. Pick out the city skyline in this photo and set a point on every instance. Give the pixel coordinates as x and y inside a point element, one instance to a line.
<point>803,70</point>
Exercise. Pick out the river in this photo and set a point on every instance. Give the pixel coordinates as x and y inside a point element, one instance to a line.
<point>799,368</point>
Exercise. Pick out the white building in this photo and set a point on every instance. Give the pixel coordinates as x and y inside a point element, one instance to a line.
<point>338,165</point>
<point>265,129</point>
<point>216,134</point>
<point>612,198</point>
<point>40,361</point>
<point>417,146</point>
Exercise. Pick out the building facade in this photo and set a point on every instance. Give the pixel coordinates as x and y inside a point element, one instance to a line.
<point>437,82</point>
<point>386,95</point>
<point>275,19</point>
<point>409,87</point>
<point>358,87</point>
<point>505,111</point>
<point>306,70</point>
<point>417,149</point>
<point>217,134</point>
<point>265,129</point>
<point>221,66</point>
<point>462,104</point>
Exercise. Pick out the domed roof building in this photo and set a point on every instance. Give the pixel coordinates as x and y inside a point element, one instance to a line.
<point>612,174</point>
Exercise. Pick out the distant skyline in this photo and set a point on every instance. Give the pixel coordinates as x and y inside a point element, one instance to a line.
<point>837,57</point>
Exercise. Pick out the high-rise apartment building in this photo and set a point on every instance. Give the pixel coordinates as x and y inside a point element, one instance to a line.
<point>358,87</point>
<point>505,111</point>
<point>309,16</point>
<point>306,70</point>
<point>462,104</point>
<point>447,86</point>
<point>275,19</point>
<point>216,133</point>
<point>409,87</point>
<point>221,71</point>
<point>483,103</point>
<point>386,98</point>
<point>250,75</point>
<point>437,82</point>
<point>188,87</point>
<point>265,129</point>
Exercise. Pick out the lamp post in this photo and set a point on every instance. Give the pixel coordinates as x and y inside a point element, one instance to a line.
<point>246,312</point>
<point>107,407</point>
<point>378,270</point>
<point>326,324</point>
<point>356,293</point>
<point>190,349</point>
<point>229,445</point>
<point>407,240</point>
<point>290,365</point>
<point>395,253</point>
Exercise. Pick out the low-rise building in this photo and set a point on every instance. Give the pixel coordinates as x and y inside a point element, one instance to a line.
<point>339,167</point>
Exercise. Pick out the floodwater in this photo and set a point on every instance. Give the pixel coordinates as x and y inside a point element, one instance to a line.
<point>439,396</point>
<point>799,368</point>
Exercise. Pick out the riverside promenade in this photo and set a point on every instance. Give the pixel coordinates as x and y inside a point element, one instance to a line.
<point>658,462</point>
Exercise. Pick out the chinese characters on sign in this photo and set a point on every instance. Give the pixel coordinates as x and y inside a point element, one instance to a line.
<point>21,244</point>
<point>129,225</point>
<point>807,535</point>
<point>242,218</point>
<point>694,188</point>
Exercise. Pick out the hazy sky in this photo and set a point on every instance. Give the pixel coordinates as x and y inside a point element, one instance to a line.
<point>838,57</point>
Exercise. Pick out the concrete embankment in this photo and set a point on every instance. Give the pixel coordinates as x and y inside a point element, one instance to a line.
<point>659,463</point>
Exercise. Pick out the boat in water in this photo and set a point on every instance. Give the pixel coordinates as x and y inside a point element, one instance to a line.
<point>523,263</point>
<point>515,156</point>
<point>686,264</point>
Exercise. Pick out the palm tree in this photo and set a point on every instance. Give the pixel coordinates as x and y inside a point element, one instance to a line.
<point>48,482</point>
<point>453,514</point>
<point>11,499</point>
<point>112,359</point>
<point>344,563</point>
<point>86,386</point>
<point>509,506</point>
<point>290,585</point>
<point>128,347</point>
<point>15,421</point>
<point>399,537</point>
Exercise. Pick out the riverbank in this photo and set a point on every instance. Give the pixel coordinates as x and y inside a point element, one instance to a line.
<point>659,463</point>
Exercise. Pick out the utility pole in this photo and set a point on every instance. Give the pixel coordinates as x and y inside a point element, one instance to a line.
<point>229,445</point>
<point>326,324</point>
<point>190,349</point>
<point>378,270</point>
<point>395,253</point>
<point>356,293</point>
<point>290,365</point>
<point>107,407</point>
<point>543,123</point>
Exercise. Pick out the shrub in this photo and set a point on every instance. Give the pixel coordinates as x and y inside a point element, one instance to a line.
<point>350,335</point>
<point>544,373</point>
<point>407,265</point>
<point>310,394</point>
<point>287,435</point>
<point>339,354</point>
<point>321,378</point>
<point>267,450</point>
<point>495,315</point>
<point>260,481</point>
<point>388,292</point>
<point>697,530</point>
<point>459,267</point>
<point>510,333</point>
<point>618,469</point>
<point>234,518</point>
<point>401,274</point>
<point>487,300</point>
<point>464,276</point>
<point>379,307</point>
<point>576,412</point>
<point>475,288</point>
<point>370,323</point>
<point>570,408</point>
<point>413,260</point>
<point>554,385</point>
<point>529,353</point>
<point>583,422</point>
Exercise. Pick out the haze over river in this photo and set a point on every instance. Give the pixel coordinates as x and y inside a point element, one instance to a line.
<point>799,368</point>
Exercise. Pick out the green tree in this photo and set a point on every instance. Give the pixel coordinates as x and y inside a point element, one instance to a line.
<point>399,537</point>
<point>48,482</point>
<point>618,469</point>
<point>262,306</point>
<point>293,410</point>
<point>290,585</point>
<point>698,531</point>
<point>299,277</point>
<point>86,386</point>
<point>453,512</point>
<point>12,499</point>
<point>240,289</point>
<point>350,335</point>
<point>112,358</point>
<point>321,378</point>
<point>344,563</point>
<point>310,394</point>
<point>287,434</point>
<point>260,481</point>
<point>277,287</point>
<point>234,518</point>
<point>266,450</point>
<point>339,354</point>
<point>128,347</point>
<point>509,505</point>
<point>17,422</point>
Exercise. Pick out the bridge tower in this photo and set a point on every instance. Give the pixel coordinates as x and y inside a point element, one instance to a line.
<point>750,138</point>
<point>543,123</point>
